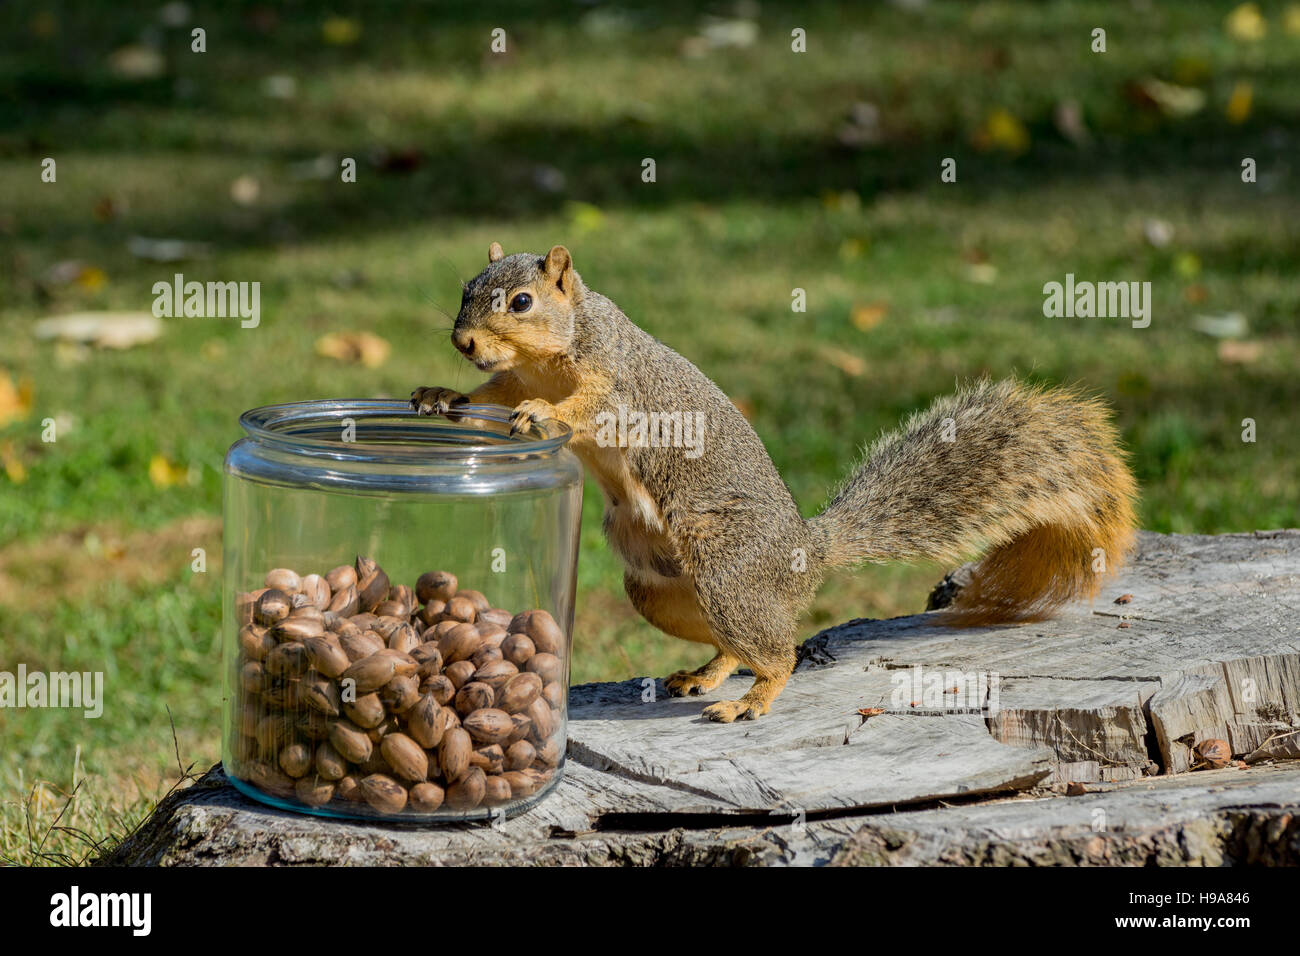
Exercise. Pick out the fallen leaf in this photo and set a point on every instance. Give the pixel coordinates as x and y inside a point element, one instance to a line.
<point>15,399</point>
<point>867,317</point>
<point>1187,264</point>
<point>340,31</point>
<point>245,190</point>
<point>1240,353</point>
<point>1003,131</point>
<point>870,711</point>
<point>112,330</point>
<point>1158,232</point>
<point>106,209</point>
<point>1169,98</point>
<point>137,62</point>
<point>1238,109</point>
<point>846,362</point>
<point>91,278</point>
<point>363,348</point>
<point>164,474</point>
<point>1246,23</point>
<point>1068,117</point>
<point>583,216</point>
<point>1075,789</point>
<point>13,465</point>
<point>1230,325</point>
<point>1124,599</point>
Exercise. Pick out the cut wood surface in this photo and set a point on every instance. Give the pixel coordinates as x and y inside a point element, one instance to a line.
<point>980,733</point>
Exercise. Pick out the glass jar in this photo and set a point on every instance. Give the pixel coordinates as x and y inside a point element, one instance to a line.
<point>399,600</point>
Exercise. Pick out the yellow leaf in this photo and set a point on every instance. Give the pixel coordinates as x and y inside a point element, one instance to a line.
<point>1246,23</point>
<point>15,400</point>
<point>340,31</point>
<point>867,317</point>
<point>91,278</point>
<point>12,465</point>
<point>584,217</point>
<point>1002,130</point>
<point>1238,109</point>
<point>164,474</point>
<point>1187,265</point>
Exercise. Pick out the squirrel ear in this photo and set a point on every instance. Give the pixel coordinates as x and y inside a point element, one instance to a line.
<point>559,267</point>
<point>495,252</point>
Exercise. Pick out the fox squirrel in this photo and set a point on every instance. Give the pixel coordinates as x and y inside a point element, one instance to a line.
<point>714,547</point>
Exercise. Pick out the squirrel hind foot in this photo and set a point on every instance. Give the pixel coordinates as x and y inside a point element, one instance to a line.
<point>756,702</point>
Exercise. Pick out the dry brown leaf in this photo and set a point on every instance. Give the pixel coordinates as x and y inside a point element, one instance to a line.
<point>867,317</point>
<point>846,362</point>
<point>1240,353</point>
<point>363,348</point>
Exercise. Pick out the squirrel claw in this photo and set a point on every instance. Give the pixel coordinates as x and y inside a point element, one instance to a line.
<point>725,711</point>
<point>436,401</point>
<point>686,684</point>
<point>683,683</point>
<point>529,413</point>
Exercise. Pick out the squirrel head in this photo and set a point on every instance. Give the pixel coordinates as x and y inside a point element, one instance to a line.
<point>519,310</point>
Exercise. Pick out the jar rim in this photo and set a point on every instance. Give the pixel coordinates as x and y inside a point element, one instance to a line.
<point>297,427</point>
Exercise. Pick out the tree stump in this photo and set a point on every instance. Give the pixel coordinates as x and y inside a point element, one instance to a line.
<point>966,747</point>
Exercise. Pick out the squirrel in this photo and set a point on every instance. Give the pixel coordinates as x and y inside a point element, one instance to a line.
<point>713,545</point>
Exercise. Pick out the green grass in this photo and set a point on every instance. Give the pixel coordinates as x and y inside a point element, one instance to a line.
<point>755,197</point>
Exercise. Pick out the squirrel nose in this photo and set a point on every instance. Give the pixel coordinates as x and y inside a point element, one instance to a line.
<point>463,341</point>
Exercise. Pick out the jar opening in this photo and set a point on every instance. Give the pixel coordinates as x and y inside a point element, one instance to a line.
<point>375,430</point>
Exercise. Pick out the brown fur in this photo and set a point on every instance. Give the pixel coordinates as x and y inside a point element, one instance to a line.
<point>714,548</point>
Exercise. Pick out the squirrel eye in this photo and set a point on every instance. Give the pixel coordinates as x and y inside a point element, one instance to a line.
<point>521,303</point>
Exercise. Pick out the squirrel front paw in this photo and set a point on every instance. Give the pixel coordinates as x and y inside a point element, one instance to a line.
<point>528,413</point>
<point>435,400</point>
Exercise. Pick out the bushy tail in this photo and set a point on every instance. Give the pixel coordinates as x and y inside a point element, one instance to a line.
<point>1032,475</point>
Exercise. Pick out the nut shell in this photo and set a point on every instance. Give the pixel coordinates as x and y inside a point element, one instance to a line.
<point>383,793</point>
<point>406,757</point>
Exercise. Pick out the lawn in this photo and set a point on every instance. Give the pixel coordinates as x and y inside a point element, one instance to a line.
<point>774,171</point>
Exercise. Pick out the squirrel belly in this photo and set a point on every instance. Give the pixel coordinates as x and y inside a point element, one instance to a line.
<point>712,542</point>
